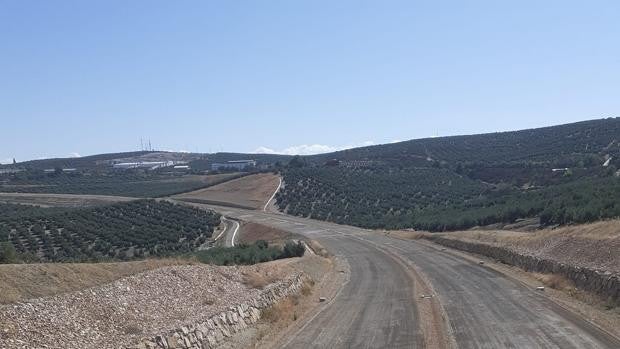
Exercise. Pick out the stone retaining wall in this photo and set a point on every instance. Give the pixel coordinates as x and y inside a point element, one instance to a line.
<point>218,328</point>
<point>603,283</point>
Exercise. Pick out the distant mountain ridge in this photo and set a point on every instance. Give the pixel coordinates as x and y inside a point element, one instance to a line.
<point>548,145</point>
<point>595,137</point>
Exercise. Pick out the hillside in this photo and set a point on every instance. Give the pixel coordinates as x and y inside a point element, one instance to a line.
<point>561,174</point>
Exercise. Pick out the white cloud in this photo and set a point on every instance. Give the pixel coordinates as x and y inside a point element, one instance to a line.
<point>264,150</point>
<point>309,149</point>
<point>75,155</point>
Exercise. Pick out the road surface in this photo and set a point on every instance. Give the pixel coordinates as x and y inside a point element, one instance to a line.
<point>228,236</point>
<point>376,308</point>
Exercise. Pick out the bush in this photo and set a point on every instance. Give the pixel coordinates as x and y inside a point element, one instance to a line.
<point>8,253</point>
<point>257,252</point>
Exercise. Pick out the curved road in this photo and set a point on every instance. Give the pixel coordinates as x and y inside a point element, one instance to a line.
<point>374,311</point>
<point>230,232</point>
<point>377,309</point>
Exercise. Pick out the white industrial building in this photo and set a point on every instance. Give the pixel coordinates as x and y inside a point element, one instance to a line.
<point>149,165</point>
<point>235,164</point>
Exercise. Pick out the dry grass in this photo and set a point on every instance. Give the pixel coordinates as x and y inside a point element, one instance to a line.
<point>251,232</point>
<point>257,279</point>
<point>566,286</point>
<point>318,248</point>
<point>282,314</point>
<point>306,288</point>
<point>26,281</point>
<point>249,191</point>
<point>407,234</point>
<point>593,245</point>
<point>286,310</point>
<point>603,230</point>
<point>557,282</point>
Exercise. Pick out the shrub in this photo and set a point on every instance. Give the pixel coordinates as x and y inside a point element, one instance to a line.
<point>7,253</point>
<point>245,254</point>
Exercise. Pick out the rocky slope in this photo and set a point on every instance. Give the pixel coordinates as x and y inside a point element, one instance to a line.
<point>139,306</point>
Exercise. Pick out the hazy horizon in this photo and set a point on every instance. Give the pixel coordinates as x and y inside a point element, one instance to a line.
<point>295,78</point>
<point>304,149</point>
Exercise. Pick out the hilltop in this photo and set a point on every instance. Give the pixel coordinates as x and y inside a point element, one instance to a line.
<point>104,162</point>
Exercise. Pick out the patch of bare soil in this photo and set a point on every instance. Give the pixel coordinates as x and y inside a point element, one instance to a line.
<point>26,281</point>
<point>251,232</point>
<point>118,314</point>
<point>251,191</point>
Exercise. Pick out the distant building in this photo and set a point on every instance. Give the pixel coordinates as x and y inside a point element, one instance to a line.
<point>149,165</point>
<point>10,170</point>
<point>235,164</point>
<point>66,170</point>
<point>359,163</point>
<point>49,170</point>
<point>181,167</point>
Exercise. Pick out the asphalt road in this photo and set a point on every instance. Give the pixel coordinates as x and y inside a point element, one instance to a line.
<point>376,308</point>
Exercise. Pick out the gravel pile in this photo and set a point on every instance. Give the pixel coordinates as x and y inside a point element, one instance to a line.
<point>119,313</point>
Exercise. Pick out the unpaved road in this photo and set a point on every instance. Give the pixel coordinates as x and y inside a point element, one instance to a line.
<point>376,308</point>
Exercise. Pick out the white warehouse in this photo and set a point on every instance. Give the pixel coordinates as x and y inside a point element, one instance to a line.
<point>236,164</point>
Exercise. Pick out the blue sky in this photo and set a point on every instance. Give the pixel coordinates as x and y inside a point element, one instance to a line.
<point>85,77</point>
